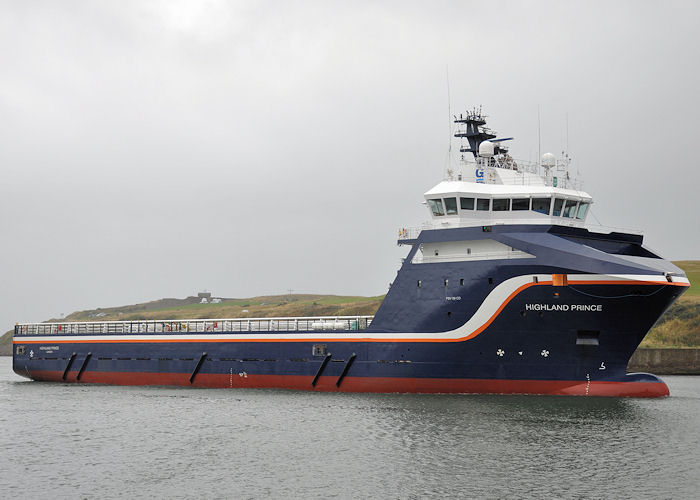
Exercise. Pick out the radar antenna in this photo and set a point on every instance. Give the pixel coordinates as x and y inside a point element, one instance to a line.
<point>472,126</point>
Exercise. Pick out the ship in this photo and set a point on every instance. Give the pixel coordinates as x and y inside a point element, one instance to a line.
<point>505,289</point>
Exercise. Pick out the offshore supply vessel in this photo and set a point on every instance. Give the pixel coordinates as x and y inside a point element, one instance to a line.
<point>503,290</point>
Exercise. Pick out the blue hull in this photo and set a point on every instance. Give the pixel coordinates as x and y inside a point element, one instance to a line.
<point>538,336</point>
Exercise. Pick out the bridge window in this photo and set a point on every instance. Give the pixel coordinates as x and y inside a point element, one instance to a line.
<point>558,205</point>
<point>500,205</point>
<point>582,208</point>
<point>541,205</point>
<point>436,207</point>
<point>451,206</point>
<point>570,208</point>
<point>521,204</point>
<point>466,203</point>
<point>482,203</point>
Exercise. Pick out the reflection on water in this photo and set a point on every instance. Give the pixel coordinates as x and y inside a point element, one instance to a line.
<point>97,441</point>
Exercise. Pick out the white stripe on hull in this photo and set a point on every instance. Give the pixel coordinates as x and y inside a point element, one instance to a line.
<point>481,318</point>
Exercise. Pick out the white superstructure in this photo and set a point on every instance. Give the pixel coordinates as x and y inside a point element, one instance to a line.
<point>485,194</point>
<point>494,188</point>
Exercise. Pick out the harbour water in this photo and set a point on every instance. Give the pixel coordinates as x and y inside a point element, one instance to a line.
<point>90,441</point>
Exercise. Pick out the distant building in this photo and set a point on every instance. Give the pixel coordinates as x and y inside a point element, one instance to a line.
<point>204,295</point>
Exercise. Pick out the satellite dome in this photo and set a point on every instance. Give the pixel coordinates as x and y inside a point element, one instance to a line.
<point>486,149</point>
<point>548,160</point>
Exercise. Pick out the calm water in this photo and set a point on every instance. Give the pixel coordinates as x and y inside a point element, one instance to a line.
<point>101,441</point>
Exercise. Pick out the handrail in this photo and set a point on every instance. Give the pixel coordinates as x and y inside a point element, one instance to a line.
<point>507,162</point>
<point>228,325</point>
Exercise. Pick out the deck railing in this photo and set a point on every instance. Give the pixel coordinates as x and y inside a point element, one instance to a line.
<point>305,324</point>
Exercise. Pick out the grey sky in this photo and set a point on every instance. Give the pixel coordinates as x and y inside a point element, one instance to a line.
<point>153,149</point>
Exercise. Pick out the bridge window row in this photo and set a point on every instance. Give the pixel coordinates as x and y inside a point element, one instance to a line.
<point>558,207</point>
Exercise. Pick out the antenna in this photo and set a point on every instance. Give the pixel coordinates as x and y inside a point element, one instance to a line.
<point>448,160</point>
<point>449,110</point>
<point>539,141</point>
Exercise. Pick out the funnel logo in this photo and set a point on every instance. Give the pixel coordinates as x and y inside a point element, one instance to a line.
<point>480,175</point>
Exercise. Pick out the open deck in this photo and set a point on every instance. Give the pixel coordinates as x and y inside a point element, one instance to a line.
<point>299,324</point>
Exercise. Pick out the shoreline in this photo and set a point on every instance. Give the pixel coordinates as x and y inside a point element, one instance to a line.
<point>666,361</point>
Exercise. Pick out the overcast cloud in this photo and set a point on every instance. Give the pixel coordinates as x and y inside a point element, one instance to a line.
<point>155,149</point>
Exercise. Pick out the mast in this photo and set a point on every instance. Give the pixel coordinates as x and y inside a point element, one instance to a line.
<point>472,125</point>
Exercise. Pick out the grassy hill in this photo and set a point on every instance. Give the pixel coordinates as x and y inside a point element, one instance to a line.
<point>678,327</point>
<point>255,307</point>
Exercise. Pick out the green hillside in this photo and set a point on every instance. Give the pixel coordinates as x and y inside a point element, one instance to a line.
<point>678,327</point>
<point>255,307</point>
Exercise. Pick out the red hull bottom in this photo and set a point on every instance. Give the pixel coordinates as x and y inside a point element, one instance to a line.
<point>368,384</point>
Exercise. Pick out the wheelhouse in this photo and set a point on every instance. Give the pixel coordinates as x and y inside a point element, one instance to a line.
<point>475,204</point>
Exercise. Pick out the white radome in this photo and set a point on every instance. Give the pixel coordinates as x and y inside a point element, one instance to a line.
<point>486,149</point>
